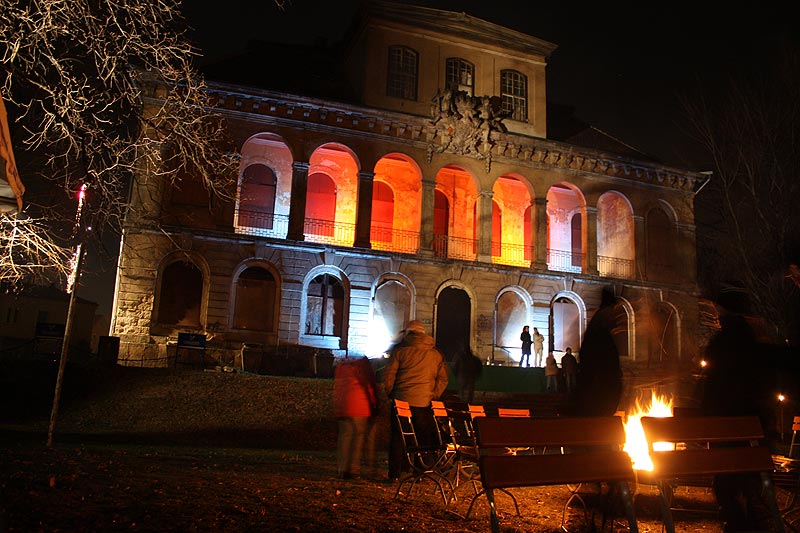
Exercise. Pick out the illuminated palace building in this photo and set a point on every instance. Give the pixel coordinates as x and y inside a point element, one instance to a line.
<point>416,181</point>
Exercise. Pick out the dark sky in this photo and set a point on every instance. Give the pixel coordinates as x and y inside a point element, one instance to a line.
<point>623,66</point>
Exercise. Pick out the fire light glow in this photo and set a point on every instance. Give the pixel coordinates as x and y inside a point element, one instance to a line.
<point>635,442</point>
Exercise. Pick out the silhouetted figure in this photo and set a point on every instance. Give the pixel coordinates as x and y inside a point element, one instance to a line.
<point>415,373</point>
<point>525,337</point>
<point>467,368</point>
<point>738,384</point>
<point>599,383</point>
<point>569,365</point>
<point>551,372</point>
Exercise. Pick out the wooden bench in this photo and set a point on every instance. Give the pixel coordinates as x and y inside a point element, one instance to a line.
<point>592,454</point>
<point>706,447</point>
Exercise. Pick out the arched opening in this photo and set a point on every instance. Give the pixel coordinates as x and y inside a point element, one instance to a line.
<point>615,236</point>
<point>511,227</point>
<point>461,192</point>
<point>181,295</point>
<point>257,197</point>
<point>511,314</point>
<point>564,229</point>
<point>325,306</point>
<point>391,312</point>
<point>565,326</point>
<point>453,319</point>
<point>254,307</point>
<point>396,226</point>
<point>382,215</point>
<point>320,205</point>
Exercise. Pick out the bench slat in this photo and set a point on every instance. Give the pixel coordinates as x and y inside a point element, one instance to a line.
<point>495,432</point>
<point>711,461</point>
<point>508,471</point>
<point>702,429</point>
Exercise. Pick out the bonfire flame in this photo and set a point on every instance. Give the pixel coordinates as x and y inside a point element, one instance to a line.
<point>635,443</point>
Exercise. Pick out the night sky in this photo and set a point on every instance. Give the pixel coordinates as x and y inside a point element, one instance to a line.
<point>622,66</point>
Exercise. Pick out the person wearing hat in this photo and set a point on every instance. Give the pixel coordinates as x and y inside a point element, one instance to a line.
<point>416,373</point>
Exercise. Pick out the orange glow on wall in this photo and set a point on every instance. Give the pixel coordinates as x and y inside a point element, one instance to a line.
<point>338,227</point>
<point>461,192</point>
<point>512,240</point>
<point>397,230</point>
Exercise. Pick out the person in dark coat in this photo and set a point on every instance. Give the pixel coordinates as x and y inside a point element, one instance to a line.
<point>525,337</point>
<point>569,365</point>
<point>467,367</point>
<point>599,383</point>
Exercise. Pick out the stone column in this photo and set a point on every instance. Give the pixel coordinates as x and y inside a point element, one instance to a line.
<point>426,224</point>
<point>484,226</point>
<point>590,246</point>
<point>364,212</point>
<point>640,262</point>
<point>539,215</point>
<point>297,204</point>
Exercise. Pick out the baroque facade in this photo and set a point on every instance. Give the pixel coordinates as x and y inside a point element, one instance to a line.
<point>434,193</point>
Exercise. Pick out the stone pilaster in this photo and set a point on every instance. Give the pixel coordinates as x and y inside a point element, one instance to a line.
<point>297,205</point>
<point>364,212</point>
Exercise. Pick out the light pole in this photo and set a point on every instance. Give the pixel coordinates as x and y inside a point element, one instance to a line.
<point>72,288</point>
<point>781,400</point>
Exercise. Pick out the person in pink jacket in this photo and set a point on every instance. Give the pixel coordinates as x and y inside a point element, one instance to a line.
<point>415,373</point>
<point>355,403</point>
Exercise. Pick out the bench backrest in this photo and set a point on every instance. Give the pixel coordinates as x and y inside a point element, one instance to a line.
<point>592,446</point>
<point>732,445</point>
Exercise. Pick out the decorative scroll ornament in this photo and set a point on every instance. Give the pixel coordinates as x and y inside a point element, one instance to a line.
<point>464,124</point>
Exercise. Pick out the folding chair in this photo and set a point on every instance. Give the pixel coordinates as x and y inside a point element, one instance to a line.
<point>426,461</point>
<point>476,410</point>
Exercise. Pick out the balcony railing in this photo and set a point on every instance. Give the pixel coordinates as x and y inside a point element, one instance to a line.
<point>564,261</point>
<point>614,267</point>
<point>329,232</point>
<point>455,247</point>
<point>511,254</point>
<point>394,240</point>
<point>262,224</point>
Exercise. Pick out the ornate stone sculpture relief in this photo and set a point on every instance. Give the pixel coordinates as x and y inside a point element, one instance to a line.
<point>464,124</point>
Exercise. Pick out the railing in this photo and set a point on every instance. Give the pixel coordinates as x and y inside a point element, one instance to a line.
<point>614,267</point>
<point>563,261</point>
<point>511,254</point>
<point>262,224</point>
<point>394,240</point>
<point>455,247</point>
<point>329,232</point>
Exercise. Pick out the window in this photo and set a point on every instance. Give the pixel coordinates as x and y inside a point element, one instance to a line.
<point>402,78</point>
<point>325,306</point>
<point>257,197</point>
<point>460,75</point>
<point>255,300</point>
<point>514,94</point>
<point>181,295</point>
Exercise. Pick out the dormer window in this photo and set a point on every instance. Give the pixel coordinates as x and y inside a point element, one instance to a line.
<point>460,75</point>
<point>402,78</point>
<point>514,94</point>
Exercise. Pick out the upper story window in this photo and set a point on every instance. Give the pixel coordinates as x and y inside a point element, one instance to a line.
<point>514,94</point>
<point>460,75</point>
<point>402,79</point>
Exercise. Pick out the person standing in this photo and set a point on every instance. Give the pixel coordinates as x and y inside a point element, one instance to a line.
<point>551,373</point>
<point>570,367</point>
<point>525,337</point>
<point>467,368</point>
<point>538,347</point>
<point>416,374</point>
<point>354,406</point>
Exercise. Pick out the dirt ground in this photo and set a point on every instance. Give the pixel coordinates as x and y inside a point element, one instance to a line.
<point>156,450</point>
